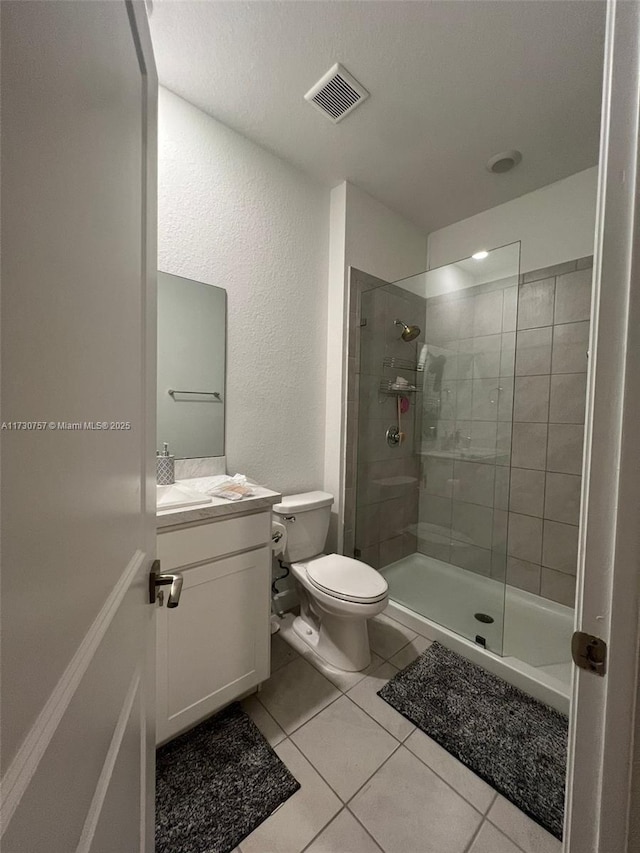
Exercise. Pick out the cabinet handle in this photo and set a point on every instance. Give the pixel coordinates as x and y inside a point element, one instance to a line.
<point>157,579</point>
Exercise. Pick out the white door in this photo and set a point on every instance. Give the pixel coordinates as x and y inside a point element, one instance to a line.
<point>78,502</point>
<point>603,802</point>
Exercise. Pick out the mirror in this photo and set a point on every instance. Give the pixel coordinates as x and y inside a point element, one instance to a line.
<point>192,320</point>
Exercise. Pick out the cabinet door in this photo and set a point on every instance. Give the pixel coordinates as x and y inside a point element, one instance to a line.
<point>216,644</point>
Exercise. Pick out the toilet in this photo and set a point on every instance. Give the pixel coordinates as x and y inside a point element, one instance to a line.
<point>337,594</point>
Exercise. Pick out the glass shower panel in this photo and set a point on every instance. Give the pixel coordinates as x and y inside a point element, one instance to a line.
<point>389,418</point>
<point>454,457</point>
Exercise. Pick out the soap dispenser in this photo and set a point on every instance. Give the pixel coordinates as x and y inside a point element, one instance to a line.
<point>165,468</point>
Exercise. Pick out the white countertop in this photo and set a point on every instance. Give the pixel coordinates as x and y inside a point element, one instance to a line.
<point>262,498</point>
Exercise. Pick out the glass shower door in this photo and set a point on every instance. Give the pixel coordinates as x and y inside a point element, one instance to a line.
<point>454,456</point>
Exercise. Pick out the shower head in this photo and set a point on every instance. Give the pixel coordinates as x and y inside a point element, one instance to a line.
<point>409,333</point>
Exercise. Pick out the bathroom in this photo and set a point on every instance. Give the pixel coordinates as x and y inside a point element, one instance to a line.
<point>367,492</point>
<point>233,215</point>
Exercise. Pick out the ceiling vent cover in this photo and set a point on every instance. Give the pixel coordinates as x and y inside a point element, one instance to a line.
<point>336,94</point>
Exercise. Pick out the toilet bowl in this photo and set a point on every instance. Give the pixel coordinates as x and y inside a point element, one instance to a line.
<point>337,594</point>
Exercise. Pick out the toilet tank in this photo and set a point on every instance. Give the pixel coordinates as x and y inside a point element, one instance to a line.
<point>306,518</point>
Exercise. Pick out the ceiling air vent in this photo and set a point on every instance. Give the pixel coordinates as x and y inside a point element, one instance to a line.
<point>336,94</point>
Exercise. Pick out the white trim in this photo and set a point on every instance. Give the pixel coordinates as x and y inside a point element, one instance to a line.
<point>574,760</point>
<point>23,767</point>
<point>601,726</point>
<point>146,748</point>
<point>142,35</point>
<point>95,809</point>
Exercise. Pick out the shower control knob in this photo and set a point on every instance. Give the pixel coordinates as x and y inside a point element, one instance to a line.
<point>393,436</point>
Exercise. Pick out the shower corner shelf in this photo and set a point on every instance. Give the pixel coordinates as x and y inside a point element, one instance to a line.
<point>388,387</point>
<point>402,364</point>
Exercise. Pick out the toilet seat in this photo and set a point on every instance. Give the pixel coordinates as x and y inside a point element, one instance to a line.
<point>345,579</point>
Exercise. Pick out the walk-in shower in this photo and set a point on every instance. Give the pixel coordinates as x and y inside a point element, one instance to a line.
<point>464,455</point>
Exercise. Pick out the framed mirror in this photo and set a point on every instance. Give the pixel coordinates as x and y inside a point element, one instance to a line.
<point>192,322</point>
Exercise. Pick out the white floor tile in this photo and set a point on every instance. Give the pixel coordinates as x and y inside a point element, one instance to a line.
<point>461,779</point>
<point>343,680</point>
<point>281,652</point>
<point>302,816</point>
<point>527,834</point>
<point>343,835</point>
<point>410,652</point>
<point>346,680</point>
<point>490,840</point>
<point>364,695</point>
<point>295,693</point>
<point>406,807</point>
<point>344,745</point>
<point>263,720</point>
<point>386,636</point>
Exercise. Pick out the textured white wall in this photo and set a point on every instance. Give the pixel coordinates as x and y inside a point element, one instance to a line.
<point>233,215</point>
<point>335,362</point>
<point>380,241</point>
<point>555,223</point>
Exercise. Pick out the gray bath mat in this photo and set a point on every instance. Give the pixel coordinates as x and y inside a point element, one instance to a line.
<point>513,742</point>
<point>215,784</point>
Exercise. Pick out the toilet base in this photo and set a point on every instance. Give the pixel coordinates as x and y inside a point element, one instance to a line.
<point>341,642</point>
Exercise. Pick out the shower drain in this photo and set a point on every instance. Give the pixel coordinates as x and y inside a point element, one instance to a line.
<point>483,617</point>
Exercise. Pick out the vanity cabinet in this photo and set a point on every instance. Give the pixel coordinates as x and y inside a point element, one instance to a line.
<point>215,646</point>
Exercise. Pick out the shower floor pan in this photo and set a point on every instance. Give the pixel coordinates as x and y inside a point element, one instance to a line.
<point>528,643</point>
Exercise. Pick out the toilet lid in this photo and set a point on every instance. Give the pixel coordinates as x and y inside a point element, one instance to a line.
<point>346,578</point>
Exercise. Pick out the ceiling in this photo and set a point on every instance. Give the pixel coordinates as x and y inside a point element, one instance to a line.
<point>452,82</point>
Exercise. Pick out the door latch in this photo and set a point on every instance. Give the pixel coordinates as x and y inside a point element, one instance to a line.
<point>156,579</point>
<point>589,652</point>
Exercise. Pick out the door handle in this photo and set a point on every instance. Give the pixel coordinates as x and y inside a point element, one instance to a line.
<point>157,579</point>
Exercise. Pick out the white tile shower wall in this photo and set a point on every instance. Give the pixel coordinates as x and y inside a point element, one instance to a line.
<point>517,518</point>
<point>551,365</point>
<point>466,430</point>
<point>233,215</point>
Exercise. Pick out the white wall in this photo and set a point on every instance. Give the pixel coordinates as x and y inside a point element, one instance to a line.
<point>335,411</point>
<point>367,235</point>
<point>555,223</point>
<point>233,215</point>
<point>380,241</point>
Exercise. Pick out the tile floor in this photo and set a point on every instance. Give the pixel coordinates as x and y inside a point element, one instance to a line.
<point>370,780</point>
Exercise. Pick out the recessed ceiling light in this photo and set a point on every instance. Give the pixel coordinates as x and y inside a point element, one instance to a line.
<point>480,256</point>
<point>504,161</point>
